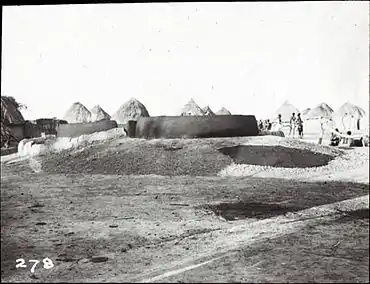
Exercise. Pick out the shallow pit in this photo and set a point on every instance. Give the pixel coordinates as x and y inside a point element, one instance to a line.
<point>276,156</point>
<point>359,214</point>
<point>243,210</point>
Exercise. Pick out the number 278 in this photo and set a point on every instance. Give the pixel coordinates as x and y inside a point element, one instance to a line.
<point>47,263</point>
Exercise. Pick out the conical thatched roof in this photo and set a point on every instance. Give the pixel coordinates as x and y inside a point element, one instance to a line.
<point>131,110</point>
<point>10,110</point>
<point>223,111</point>
<point>97,113</point>
<point>322,110</point>
<point>77,113</point>
<point>351,110</point>
<point>191,108</point>
<point>286,111</point>
<point>207,111</point>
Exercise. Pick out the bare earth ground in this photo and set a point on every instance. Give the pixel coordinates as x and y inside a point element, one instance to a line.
<point>178,228</point>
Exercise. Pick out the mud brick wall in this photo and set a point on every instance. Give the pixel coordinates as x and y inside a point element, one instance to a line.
<point>78,129</point>
<point>196,126</point>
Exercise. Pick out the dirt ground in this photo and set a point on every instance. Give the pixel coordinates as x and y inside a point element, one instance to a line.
<point>126,228</point>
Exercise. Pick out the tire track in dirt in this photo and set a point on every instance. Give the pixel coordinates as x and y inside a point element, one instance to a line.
<point>228,241</point>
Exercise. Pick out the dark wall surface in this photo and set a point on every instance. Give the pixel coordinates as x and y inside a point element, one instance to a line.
<point>78,129</point>
<point>196,126</point>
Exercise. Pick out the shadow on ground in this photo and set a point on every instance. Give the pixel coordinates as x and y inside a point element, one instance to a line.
<point>331,252</point>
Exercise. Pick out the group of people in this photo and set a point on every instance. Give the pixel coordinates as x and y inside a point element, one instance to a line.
<point>295,123</point>
<point>336,138</point>
<point>264,124</point>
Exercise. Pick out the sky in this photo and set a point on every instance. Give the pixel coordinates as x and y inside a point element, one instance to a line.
<point>247,57</point>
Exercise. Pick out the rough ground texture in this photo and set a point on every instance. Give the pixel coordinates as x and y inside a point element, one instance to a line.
<point>128,228</point>
<point>147,227</point>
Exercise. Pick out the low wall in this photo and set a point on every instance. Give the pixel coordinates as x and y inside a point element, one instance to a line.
<point>196,126</point>
<point>8,151</point>
<point>78,129</point>
<point>279,133</point>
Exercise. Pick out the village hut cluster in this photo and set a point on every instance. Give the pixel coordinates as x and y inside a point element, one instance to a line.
<point>348,119</point>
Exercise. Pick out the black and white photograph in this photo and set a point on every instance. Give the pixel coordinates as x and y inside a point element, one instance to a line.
<point>185,142</point>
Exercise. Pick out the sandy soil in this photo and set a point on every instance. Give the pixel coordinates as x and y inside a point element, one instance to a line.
<point>180,228</point>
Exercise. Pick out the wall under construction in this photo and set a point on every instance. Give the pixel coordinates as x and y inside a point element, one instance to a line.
<point>78,129</point>
<point>196,126</point>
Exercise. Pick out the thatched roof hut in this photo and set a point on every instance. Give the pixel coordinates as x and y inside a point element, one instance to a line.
<point>223,111</point>
<point>351,110</point>
<point>191,108</point>
<point>348,117</point>
<point>77,113</point>
<point>98,113</point>
<point>131,110</point>
<point>207,111</point>
<point>322,110</point>
<point>286,111</point>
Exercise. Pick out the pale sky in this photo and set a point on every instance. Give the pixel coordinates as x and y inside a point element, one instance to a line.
<point>247,57</point>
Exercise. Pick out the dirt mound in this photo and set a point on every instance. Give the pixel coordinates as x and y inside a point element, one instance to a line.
<point>138,159</point>
<point>167,157</point>
<point>276,156</point>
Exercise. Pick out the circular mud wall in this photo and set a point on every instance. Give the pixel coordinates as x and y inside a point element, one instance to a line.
<point>279,133</point>
<point>276,156</point>
<point>196,126</point>
<point>78,129</point>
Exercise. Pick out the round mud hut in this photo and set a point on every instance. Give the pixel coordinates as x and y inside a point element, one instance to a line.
<point>286,111</point>
<point>191,108</point>
<point>223,111</point>
<point>131,110</point>
<point>98,113</point>
<point>207,111</point>
<point>349,117</point>
<point>77,113</point>
<point>322,110</point>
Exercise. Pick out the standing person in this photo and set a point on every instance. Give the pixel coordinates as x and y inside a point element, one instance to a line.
<point>279,119</point>
<point>279,123</point>
<point>260,124</point>
<point>269,124</point>
<point>323,124</point>
<point>334,141</point>
<point>300,125</point>
<point>292,124</point>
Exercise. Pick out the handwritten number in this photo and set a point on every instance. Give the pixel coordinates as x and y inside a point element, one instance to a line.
<point>21,264</point>
<point>47,263</point>
<point>34,266</point>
